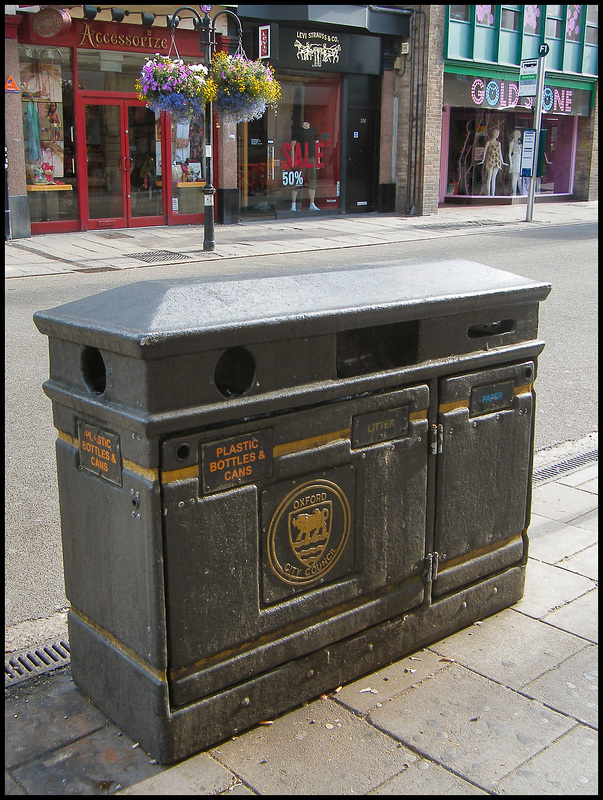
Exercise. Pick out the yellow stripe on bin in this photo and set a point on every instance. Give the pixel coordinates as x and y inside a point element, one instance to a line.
<point>183,474</point>
<point>313,441</point>
<point>160,674</point>
<point>464,403</point>
<point>446,407</point>
<point>481,551</point>
<point>150,473</point>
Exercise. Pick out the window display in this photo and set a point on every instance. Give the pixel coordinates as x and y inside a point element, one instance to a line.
<point>485,153</point>
<point>289,160</point>
<point>188,165</point>
<point>47,112</point>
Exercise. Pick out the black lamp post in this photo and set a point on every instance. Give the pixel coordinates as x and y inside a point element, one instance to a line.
<point>207,45</point>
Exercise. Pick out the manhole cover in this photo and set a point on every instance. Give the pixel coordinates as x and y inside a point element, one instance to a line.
<point>35,661</point>
<point>158,255</point>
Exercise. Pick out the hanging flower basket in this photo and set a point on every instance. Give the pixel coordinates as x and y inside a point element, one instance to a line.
<point>241,89</point>
<point>168,84</point>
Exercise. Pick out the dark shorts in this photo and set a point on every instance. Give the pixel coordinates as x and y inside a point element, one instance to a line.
<point>310,177</point>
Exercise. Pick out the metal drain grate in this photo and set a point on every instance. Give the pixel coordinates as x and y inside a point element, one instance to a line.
<point>158,255</point>
<point>114,235</point>
<point>36,661</point>
<point>570,464</point>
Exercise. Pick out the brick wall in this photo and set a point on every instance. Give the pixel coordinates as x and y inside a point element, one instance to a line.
<point>586,176</point>
<point>417,166</point>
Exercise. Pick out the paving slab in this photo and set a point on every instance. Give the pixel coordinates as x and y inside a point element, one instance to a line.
<point>99,763</point>
<point>510,648</point>
<point>568,766</point>
<point>471,725</point>
<point>580,477</point>
<point>564,503</point>
<point>580,617</point>
<point>551,541</point>
<point>381,686</point>
<point>586,562</point>
<point>46,713</point>
<point>320,748</point>
<point>589,521</point>
<point>426,778</point>
<point>549,587</point>
<point>571,687</point>
<point>200,774</point>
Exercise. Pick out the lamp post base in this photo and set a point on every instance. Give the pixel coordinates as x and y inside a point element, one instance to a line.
<point>208,222</point>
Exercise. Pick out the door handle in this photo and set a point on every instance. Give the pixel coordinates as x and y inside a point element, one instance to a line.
<point>271,162</point>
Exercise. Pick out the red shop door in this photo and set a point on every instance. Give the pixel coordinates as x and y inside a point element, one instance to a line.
<point>121,154</point>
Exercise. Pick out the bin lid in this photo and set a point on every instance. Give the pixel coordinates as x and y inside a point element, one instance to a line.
<point>150,319</point>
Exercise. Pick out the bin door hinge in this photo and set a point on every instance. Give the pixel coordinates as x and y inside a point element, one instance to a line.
<point>430,564</point>
<point>436,439</point>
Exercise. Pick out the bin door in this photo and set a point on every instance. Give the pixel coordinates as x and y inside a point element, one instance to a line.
<point>483,472</point>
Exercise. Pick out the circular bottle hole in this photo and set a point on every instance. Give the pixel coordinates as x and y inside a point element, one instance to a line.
<point>235,372</point>
<point>182,451</point>
<point>528,372</point>
<point>94,371</point>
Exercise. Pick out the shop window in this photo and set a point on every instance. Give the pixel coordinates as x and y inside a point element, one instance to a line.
<point>459,32</point>
<point>288,161</point>
<point>48,132</point>
<point>574,33</point>
<point>188,165</point>
<point>485,15</point>
<point>509,19</point>
<point>460,13</point>
<point>469,163</point>
<point>573,24</point>
<point>108,71</point>
<point>554,22</point>
<point>532,17</point>
<point>590,63</point>
<point>509,46</point>
<point>592,25</point>
<point>486,33</point>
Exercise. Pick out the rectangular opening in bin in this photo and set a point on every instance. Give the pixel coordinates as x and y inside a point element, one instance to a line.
<point>380,347</point>
<point>490,328</point>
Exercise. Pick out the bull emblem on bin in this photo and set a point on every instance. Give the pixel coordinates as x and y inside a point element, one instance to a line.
<point>309,532</point>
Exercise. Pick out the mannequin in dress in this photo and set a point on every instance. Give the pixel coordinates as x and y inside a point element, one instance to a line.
<point>515,161</point>
<point>493,161</point>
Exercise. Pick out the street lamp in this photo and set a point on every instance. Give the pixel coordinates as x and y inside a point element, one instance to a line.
<point>207,45</point>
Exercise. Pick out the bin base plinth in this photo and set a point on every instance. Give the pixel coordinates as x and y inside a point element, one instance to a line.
<point>137,698</point>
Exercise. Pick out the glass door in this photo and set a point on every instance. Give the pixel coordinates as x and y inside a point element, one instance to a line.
<point>144,197</point>
<point>122,165</point>
<point>105,153</point>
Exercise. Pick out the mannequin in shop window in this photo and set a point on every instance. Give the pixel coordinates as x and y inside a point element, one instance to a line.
<point>515,162</point>
<point>492,161</point>
<point>307,137</point>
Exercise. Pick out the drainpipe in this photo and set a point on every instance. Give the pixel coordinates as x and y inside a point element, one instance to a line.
<point>414,100</point>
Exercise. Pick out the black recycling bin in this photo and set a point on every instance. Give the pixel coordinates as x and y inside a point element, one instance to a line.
<point>272,485</point>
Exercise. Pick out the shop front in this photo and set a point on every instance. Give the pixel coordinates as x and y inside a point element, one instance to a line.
<point>482,134</point>
<point>319,150</point>
<point>95,156</point>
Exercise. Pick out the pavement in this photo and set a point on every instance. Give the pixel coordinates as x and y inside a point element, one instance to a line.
<point>138,248</point>
<point>505,706</point>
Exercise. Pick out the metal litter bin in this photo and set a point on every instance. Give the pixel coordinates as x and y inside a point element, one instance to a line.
<point>270,486</point>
